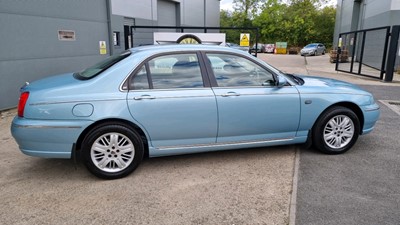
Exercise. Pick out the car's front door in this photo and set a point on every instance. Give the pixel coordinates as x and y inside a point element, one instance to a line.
<point>251,107</point>
<point>169,99</point>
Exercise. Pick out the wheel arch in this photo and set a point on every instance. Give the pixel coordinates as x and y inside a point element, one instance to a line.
<point>350,105</point>
<point>318,143</point>
<point>121,122</point>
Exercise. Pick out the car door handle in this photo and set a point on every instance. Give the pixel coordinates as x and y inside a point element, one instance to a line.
<point>144,97</point>
<point>231,93</point>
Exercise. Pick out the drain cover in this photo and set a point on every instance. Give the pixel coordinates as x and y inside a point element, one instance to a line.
<point>393,105</point>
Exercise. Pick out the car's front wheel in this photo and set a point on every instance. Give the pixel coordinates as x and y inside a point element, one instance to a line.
<point>112,151</point>
<point>336,130</point>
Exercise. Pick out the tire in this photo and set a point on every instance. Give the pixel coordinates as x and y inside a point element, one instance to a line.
<point>112,151</point>
<point>336,130</point>
<point>315,53</point>
<point>323,52</point>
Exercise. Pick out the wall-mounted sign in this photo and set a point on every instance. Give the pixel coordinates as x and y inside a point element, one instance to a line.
<point>245,39</point>
<point>103,47</point>
<point>189,38</point>
<point>66,35</point>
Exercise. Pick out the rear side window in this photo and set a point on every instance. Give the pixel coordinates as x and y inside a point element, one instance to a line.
<point>140,81</point>
<point>169,72</point>
<point>101,66</point>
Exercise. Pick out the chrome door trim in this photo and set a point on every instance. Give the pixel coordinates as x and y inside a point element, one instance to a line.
<point>233,143</point>
<point>45,127</point>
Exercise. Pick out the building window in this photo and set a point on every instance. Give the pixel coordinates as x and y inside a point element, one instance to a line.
<point>116,38</point>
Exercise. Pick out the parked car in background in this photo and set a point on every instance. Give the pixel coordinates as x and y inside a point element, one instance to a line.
<point>236,46</point>
<point>269,48</point>
<point>164,100</point>
<point>260,48</point>
<point>313,49</point>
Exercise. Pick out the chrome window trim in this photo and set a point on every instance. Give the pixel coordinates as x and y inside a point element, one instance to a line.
<point>150,57</point>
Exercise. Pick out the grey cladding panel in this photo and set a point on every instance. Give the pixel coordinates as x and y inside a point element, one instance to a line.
<point>166,13</point>
<point>91,10</point>
<point>37,37</point>
<point>30,48</point>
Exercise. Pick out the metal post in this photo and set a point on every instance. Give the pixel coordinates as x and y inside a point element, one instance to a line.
<point>131,34</point>
<point>353,52</point>
<point>394,38</point>
<point>256,42</point>
<point>362,52</point>
<point>385,53</point>
<point>110,31</point>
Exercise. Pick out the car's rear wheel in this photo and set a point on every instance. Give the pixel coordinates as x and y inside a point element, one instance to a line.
<point>112,151</point>
<point>336,130</point>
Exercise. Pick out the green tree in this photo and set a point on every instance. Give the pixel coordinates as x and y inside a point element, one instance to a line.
<point>271,21</point>
<point>300,22</point>
<point>297,22</point>
<point>325,25</point>
<point>228,20</point>
<point>244,13</point>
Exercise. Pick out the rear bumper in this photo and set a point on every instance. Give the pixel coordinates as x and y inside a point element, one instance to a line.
<point>47,138</point>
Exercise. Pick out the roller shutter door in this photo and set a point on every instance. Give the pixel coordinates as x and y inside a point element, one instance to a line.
<point>166,13</point>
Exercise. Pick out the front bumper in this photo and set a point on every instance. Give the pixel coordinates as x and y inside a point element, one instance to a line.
<point>371,115</point>
<point>307,52</point>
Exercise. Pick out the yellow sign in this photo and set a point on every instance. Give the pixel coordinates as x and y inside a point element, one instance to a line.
<point>281,47</point>
<point>245,39</point>
<point>103,47</point>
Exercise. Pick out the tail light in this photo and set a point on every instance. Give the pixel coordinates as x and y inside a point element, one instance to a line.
<point>22,102</point>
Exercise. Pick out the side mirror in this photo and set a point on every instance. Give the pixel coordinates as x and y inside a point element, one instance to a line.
<point>281,81</point>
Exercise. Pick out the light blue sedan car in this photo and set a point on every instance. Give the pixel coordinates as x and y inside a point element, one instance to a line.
<point>179,99</point>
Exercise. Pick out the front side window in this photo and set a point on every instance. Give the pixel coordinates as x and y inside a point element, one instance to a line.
<point>236,71</point>
<point>175,71</point>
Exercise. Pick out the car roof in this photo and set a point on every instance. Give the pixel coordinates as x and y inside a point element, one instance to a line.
<point>181,47</point>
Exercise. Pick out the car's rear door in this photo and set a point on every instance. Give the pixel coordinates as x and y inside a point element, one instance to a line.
<point>250,107</point>
<point>169,98</point>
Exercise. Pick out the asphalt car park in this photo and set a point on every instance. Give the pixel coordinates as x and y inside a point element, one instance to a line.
<point>252,186</point>
<point>361,186</point>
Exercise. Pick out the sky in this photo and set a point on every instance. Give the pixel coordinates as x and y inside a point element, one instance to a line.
<point>227,4</point>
